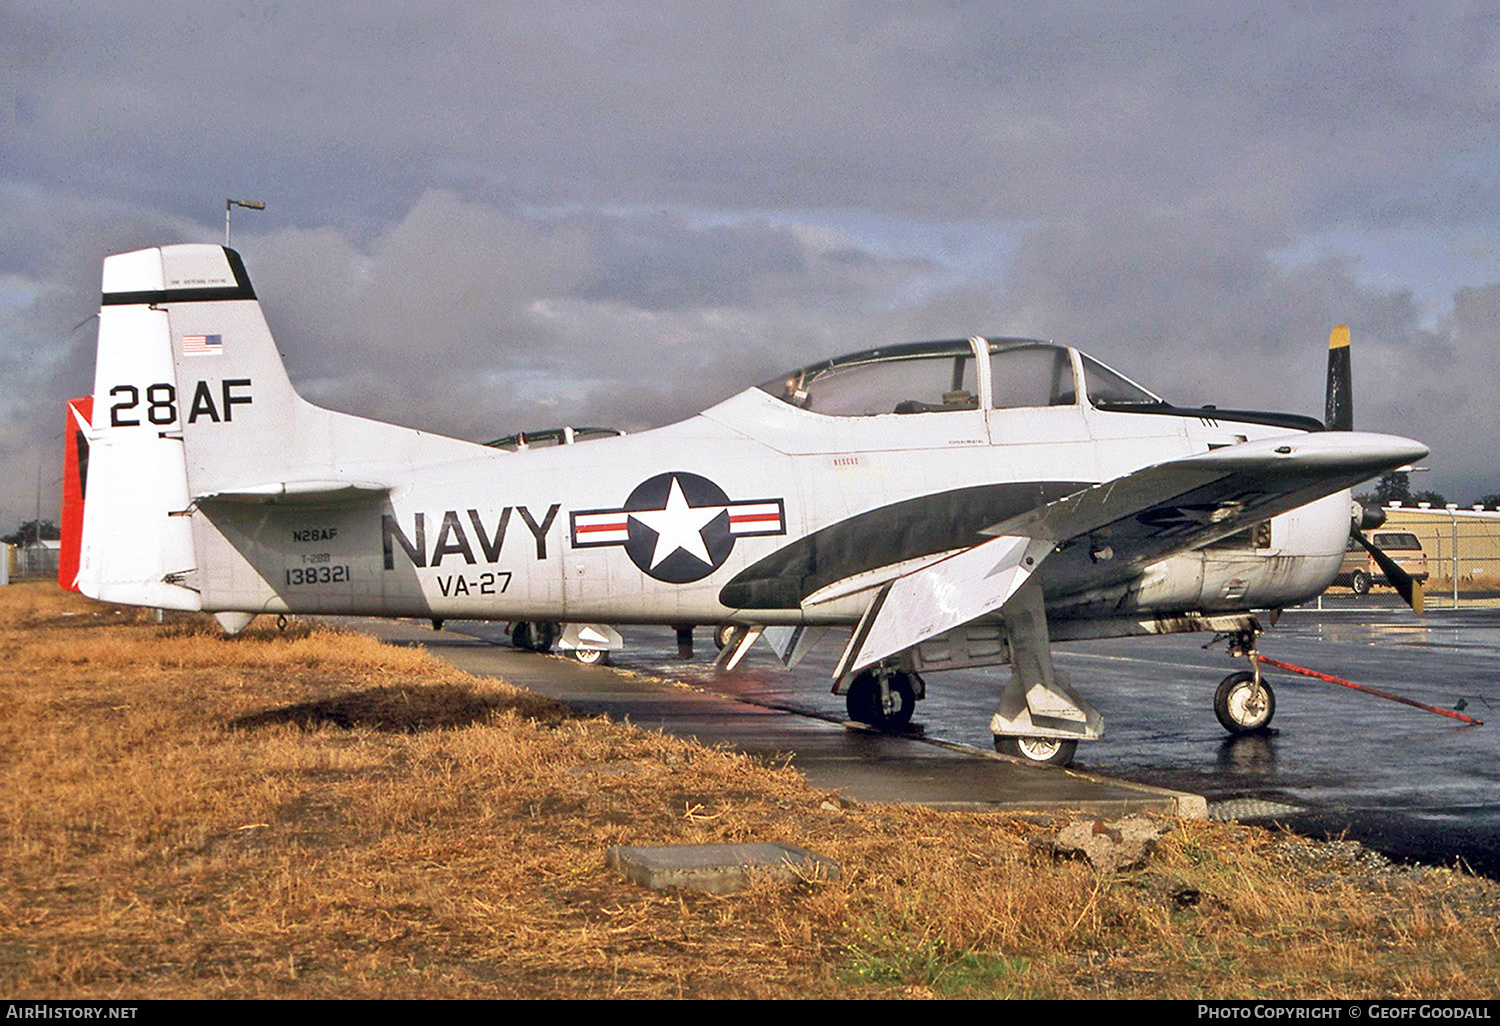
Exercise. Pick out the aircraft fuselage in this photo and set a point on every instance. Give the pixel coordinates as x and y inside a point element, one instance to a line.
<point>701,522</point>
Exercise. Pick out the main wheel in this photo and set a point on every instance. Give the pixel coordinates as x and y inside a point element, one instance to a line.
<point>1045,751</point>
<point>722,634</point>
<point>1241,707</point>
<point>1359,582</point>
<point>865,706</point>
<point>544,636</point>
<point>520,635</point>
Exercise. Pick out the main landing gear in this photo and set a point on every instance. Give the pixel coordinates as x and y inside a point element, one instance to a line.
<point>1244,702</point>
<point>883,697</point>
<point>533,637</point>
<point>1040,718</point>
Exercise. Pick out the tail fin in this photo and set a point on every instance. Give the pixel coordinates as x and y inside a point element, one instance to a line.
<point>194,417</point>
<point>220,388</point>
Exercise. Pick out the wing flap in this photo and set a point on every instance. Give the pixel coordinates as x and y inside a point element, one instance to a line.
<point>941,596</point>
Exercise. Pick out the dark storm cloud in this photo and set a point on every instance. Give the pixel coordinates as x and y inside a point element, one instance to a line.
<point>938,110</point>
<point>476,320</point>
<point>485,217</point>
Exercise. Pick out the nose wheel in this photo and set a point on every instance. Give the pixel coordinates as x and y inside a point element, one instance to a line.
<point>1244,704</point>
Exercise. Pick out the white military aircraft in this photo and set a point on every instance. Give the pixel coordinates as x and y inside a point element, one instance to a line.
<point>958,503</point>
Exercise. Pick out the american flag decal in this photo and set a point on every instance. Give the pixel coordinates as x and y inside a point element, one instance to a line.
<point>202,345</point>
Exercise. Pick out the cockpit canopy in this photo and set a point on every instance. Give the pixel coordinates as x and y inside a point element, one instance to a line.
<point>938,377</point>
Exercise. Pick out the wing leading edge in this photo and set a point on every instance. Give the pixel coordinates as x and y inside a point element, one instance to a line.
<point>1113,530</point>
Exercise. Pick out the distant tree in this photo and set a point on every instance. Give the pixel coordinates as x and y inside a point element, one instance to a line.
<point>31,532</point>
<point>1436,498</point>
<point>1491,500</point>
<point>1393,487</point>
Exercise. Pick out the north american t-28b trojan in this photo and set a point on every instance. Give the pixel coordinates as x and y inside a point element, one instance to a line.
<point>957,503</point>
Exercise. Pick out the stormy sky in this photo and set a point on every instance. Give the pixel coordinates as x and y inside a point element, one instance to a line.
<point>486,217</point>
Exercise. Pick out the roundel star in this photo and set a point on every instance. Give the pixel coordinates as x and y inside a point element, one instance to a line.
<point>679,526</point>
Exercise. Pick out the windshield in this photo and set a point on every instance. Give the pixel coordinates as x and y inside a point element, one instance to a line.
<point>1106,386</point>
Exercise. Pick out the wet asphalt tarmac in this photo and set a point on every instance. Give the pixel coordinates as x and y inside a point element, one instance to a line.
<point>1406,782</point>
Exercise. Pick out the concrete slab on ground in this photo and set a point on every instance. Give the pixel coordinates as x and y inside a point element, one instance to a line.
<point>715,868</point>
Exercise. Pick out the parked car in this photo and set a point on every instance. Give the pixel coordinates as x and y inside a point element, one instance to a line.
<point>1360,570</point>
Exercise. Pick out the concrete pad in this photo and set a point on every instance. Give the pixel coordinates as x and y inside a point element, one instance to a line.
<point>716,868</point>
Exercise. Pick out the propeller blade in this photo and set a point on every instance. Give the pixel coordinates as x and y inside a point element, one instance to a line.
<point>1407,586</point>
<point>1339,415</point>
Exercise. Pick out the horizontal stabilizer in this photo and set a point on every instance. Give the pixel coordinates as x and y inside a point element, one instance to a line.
<point>299,493</point>
<point>940,597</point>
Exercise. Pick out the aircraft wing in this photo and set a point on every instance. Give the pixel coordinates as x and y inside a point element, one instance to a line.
<point>1111,531</point>
<point>1149,514</point>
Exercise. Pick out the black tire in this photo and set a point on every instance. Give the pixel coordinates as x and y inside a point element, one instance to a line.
<point>544,636</point>
<point>520,635</point>
<point>1238,709</point>
<point>1359,582</point>
<point>591,656</point>
<point>722,634</point>
<point>864,705</point>
<point>1042,751</point>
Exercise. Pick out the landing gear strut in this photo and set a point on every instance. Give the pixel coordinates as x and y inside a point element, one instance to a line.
<point>1039,718</point>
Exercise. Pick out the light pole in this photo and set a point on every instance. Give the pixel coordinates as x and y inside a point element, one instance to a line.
<point>247,204</point>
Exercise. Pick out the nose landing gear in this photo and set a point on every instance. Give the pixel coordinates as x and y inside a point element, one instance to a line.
<point>1244,702</point>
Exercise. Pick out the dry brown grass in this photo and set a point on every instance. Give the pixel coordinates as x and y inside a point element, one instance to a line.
<point>313,814</point>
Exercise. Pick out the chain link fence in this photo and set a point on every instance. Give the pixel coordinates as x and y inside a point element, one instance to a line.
<point>1462,547</point>
<point>35,560</point>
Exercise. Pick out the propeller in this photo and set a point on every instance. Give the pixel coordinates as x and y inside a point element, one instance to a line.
<point>1407,586</point>
<point>1339,416</point>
